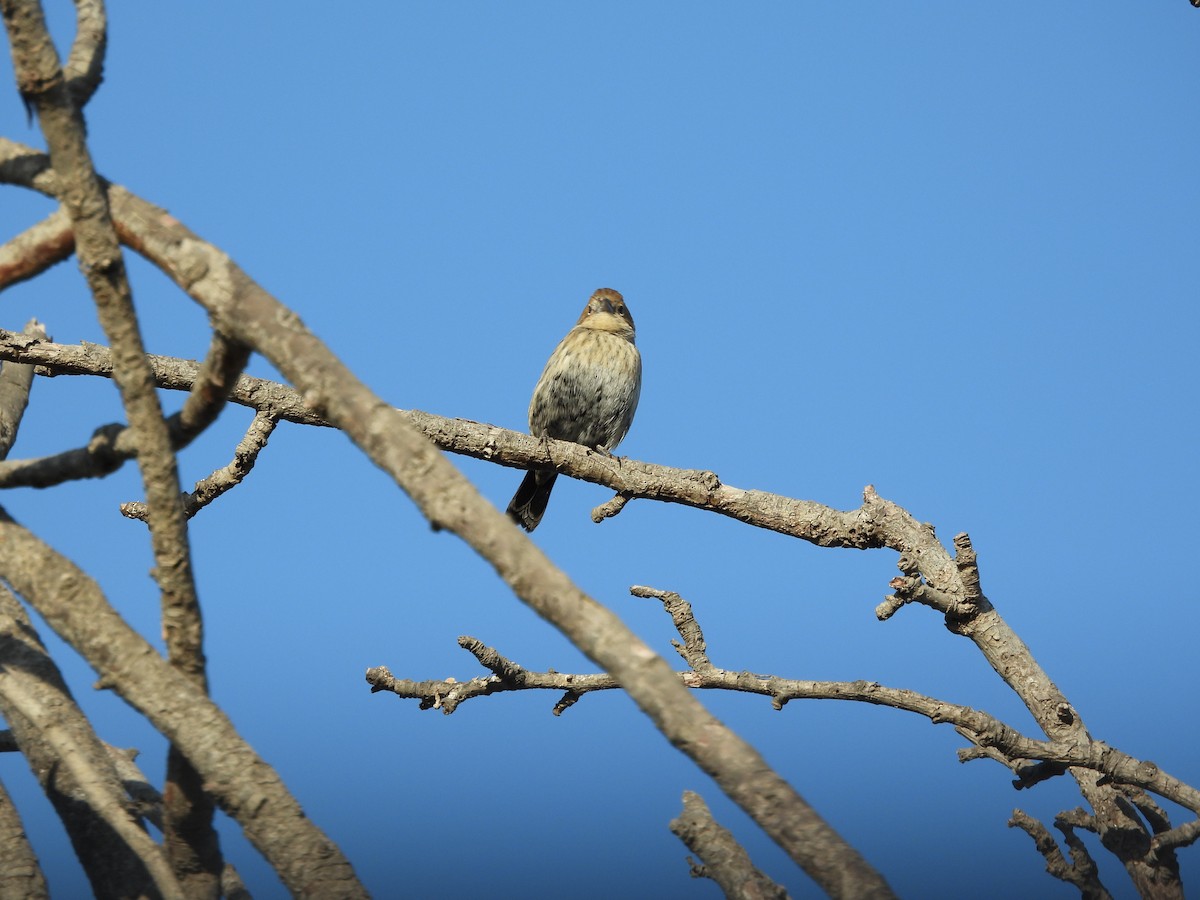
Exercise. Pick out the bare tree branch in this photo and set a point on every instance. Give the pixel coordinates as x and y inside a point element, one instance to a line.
<point>191,839</point>
<point>20,873</point>
<point>74,767</point>
<point>993,738</point>
<point>15,382</point>
<point>694,650</point>
<point>21,876</point>
<point>224,362</point>
<point>243,785</point>
<point>112,445</point>
<point>221,367</point>
<point>725,860</point>
<point>85,65</point>
<point>1154,814</point>
<point>109,448</point>
<point>1081,871</point>
<point>36,249</point>
<point>149,804</point>
<point>506,676</point>
<point>1181,836</point>
<point>224,479</point>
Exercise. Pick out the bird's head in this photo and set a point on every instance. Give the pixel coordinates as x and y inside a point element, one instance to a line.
<point>606,311</point>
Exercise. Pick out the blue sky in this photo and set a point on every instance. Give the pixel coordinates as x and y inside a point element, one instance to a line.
<point>947,249</point>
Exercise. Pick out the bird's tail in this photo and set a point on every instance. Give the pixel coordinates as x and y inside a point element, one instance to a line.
<point>528,504</point>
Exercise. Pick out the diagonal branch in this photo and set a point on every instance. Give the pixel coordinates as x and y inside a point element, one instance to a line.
<point>244,786</point>
<point>74,767</point>
<point>149,804</point>
<point>20,872</point>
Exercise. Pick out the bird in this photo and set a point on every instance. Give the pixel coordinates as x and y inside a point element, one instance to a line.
<point>587,394</point>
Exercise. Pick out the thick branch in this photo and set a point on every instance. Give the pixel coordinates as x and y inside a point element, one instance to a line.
<point>20,873</point>
<point>55,735</point>
<point>74,767</point>
<point>36,249</point>
<point>149,805</point>
<point>85,65</point>
<point>799,518</point>
<point>190,837</point>
<point>244,786</point>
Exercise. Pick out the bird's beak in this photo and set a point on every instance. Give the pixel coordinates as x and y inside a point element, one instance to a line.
<point>603,304</point>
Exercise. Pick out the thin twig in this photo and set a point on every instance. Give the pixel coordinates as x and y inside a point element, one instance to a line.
<point>1081,871</point>
<point>693,649</point>
<point>223,479</point>
<point>725,860</point>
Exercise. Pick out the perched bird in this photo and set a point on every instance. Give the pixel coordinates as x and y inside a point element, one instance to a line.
<point>587,394</point>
